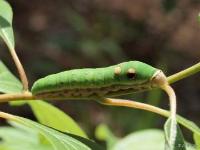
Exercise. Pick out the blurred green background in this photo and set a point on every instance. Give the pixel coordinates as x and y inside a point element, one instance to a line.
<point>52,36</point>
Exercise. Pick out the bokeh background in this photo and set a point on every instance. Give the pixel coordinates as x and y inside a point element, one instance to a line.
<point>56,35</point>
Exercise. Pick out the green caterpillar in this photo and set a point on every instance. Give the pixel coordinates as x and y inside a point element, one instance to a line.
<point>116,80</point>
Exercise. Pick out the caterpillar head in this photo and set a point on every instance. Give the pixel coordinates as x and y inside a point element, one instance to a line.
<point>159,79</point>
<point>135,73</point>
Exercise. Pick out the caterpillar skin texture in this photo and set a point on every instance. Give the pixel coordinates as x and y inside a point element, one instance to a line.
<point>89,83</point>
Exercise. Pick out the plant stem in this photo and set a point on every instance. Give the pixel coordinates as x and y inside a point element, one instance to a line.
<point>183,74</point>
<point>17,96</point>
<point>17,62</point>
<point>20,69</point>
<point>133,104</point>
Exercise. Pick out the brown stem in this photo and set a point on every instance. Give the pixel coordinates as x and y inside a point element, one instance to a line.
<point>17,96</point>
<point>133,104</point>
<point>20,69</point>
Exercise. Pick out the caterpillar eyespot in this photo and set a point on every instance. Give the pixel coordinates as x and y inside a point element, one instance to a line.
<point>117,70</point>
<point>131,73</point>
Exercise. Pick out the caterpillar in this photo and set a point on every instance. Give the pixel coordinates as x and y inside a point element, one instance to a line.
<point>89,83</point>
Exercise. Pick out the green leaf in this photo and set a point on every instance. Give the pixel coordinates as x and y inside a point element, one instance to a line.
<point>19,139</point>
<point>178,142</point>
<point>151,139</point>
<point>102,132</point>
<point>17,103</point>
<point>6,31</point>
<point>51,116</point>
<point>188,124</point>
<point>185,122</point>
<point>58,140</point>
<point>197,140</point>
<point>8,82</point>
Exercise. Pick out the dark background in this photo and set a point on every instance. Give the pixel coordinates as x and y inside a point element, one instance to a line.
<point>56,35</point>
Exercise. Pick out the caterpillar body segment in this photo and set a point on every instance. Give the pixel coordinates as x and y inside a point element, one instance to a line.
<point>120,79</point>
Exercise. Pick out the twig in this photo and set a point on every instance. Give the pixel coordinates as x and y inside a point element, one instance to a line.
<point>20,69</point>
<point>183,74</point>
<point>17,96</point>
<point>133,104</point>
<point>17,62</point>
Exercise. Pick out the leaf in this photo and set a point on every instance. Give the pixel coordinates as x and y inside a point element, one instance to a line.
<point>185,122</point>
<point>17,103</point>
<point>19,139</point>
<point>197,140</point>
<point>51,116</point>
<point>102,132</point>
<point>8,82</point>
<point>150,139</point>
<point>58,140</point>
<point>188,124</point>
<point>6,31</point>
<point>178,143</point>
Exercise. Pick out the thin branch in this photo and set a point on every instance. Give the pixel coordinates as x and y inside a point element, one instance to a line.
<point>17,96</point>
<point>17,62</point>
<point>185,73</point>
<point>20,69</point>
<point>133,104</point>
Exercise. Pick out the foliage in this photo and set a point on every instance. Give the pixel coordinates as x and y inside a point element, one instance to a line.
<point>52,117</point>
<point>179,143</point>
<point>6,31</point>
<point>8,82</point>
<point>152,139</point>
<point>48,137</point>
